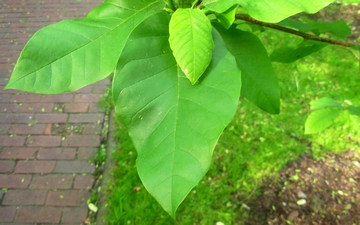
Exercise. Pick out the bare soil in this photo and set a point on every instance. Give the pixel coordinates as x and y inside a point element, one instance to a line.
<point>325,192</point>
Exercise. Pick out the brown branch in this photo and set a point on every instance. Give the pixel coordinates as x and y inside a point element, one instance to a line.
<point>295,32</point>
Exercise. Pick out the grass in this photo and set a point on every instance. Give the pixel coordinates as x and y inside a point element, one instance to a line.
<point>254,146</point>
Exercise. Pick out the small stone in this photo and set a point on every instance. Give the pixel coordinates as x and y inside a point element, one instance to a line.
<point>301,202</point>
<point>293,215</point>
<point>301,194</point>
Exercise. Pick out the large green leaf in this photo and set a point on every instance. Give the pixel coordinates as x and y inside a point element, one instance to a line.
<point>259,81</point>
<point>276,10</point>
<point>74,53</point>
<point>173,124</point>
<point>319,120</point>
<point>191,41</point>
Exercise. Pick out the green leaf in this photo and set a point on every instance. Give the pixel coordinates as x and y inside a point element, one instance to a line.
<point>259,82</point>
<point>289,55</point>
<point>227,18</point>
<point>320,119</point>
<point>219,6</point>
<point>74,53</point>
<point>191,41</point>
<point>324,103</point>
<point>173,124</point>
<point>338,28</point>
<point>353,110</point>
<point>276,10</point>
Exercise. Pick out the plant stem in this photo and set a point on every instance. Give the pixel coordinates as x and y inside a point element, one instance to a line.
<point>295,32</point>
<point>171,5</point>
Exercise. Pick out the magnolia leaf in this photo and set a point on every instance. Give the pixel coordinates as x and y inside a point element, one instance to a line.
<point>260,85</point>
<point>219,6</point>
<point>320,119</point>
<point>227,18</point>
<point>324,103</point>
<point>276,10</point>
<point>174,125</point>
<point>74,53</point>
<point>338,28</point>
<point>353,110</point>
<point>191,41</point>
<point>289,55</point>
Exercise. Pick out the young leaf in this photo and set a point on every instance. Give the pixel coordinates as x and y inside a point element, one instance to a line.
<point>260,85</point>
<point>227,18</point>
<point>74,53</point>
<point>320,119</point>
<point>173,124</point>
<point>191,41</point>
<point>324,103</point>
<point>277,10</point>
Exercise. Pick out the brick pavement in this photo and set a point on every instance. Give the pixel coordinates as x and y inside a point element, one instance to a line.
<point>46,141</point>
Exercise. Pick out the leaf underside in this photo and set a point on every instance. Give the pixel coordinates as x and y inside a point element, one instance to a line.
<point>173,124</point>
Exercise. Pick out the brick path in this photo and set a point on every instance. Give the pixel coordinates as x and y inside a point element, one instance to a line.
<point>46,142</point>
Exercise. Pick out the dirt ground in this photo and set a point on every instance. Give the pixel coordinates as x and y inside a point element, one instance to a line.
<point>325,192</point>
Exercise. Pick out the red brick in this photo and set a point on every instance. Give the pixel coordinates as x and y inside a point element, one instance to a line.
<point>75,215</point>
<point>18,153</point>
<point>76,107</point>
<point>83,182</point>
<point>14,181</point>
<point>38,215</point>
<point>94,108</point>
<point>105,81</point>
<point>5,98</point>
<point>24,197</point>
<point>9,108</point>
<point>25,98</point>
<point>52,181</point>
<point>67,198</point>
<point>26,129</point>
<point>57,153</point>
<point>48,129</point>
<point>86,153</point>
<point>44,141</point>
<point>16,118</point>
<point>86,118</point>
<point>4,128</point>
<point>36,107</point>
<point>6,166</point>
<point>52,117</point>
<point>34,166</point>
<point>85,90</point>
<point>58,98</point>
<point>92,129</point>
<point>12,140</point>
<point>100,89</point>
<point>87,98</point>
<point>7,213</point>
<point>81,141</point>
<point>74,167</point>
